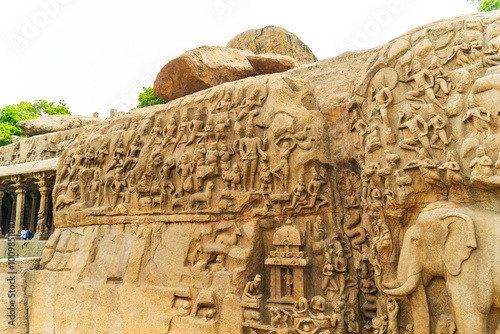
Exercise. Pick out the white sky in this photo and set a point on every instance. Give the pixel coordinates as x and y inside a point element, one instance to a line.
<point>97,55</point>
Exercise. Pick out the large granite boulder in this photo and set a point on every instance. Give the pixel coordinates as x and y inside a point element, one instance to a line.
<point>201,68</point>
<point>54,123</point>
<point>268,63</point>
<point>272,39</point>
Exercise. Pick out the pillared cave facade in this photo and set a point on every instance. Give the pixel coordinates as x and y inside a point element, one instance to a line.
<point>359,194</point>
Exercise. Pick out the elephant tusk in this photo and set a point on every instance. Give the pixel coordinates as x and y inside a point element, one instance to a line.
<point>408,287</point>
<point>391,285</point>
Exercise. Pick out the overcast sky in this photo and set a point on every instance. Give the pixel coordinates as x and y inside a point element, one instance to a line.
<point>97,55</point>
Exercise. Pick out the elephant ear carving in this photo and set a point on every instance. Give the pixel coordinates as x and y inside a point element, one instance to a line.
<point>460,241</point>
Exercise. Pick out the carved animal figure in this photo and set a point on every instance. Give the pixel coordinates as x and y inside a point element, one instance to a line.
<point>69,197</point>
<point>229,239</point>
<point>196,199</point>
<point>466,242</point>
<point>356,233</point>
<point>194,255</point>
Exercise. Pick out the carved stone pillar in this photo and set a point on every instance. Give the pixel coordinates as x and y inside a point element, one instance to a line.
<point>42,230</point>
<point>21,197</point>
<point>35,199</point>
<point>1,219</point>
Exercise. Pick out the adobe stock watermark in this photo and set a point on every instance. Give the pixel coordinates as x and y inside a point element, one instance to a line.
<point>222,7</point>
<point>372,28</point>
<point>31,26</point>
<point>130,100</point>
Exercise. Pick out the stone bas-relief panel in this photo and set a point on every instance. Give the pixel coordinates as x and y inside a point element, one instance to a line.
<point>257,147</point>
<point>422,124</point>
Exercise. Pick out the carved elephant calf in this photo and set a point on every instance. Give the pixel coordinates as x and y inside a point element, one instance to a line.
<point>462,245</point>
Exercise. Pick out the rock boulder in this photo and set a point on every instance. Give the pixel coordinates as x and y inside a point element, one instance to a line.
<point>272,39</point>
<point>201,68</point>
<point>268,63</point>
<point>54,123</point>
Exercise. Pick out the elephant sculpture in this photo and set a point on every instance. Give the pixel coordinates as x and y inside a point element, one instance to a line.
<point>460,244</point>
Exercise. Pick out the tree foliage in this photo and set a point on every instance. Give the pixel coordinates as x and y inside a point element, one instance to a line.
<point>147,98</point>
<point>485,5</point>
<point>11,114</point>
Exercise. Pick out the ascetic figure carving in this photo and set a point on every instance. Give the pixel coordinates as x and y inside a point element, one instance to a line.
<point>467,239</point>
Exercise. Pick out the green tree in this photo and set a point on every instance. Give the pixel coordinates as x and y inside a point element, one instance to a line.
<point>11,114</point>
<point>485,5</point>
<point>147,98</point>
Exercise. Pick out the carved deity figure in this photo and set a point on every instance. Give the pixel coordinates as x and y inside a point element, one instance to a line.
<point>133,154</point>
<point>425,83</point>
<point>481,164</point>
<point>288,279</point>
<point>185,169</point>
<point>235,177</point>
<point>156,134</point>
<point>318,229</point>
<point>118,156</point>
<point>299,195</point>
<point>438,124</point>
<point>212,157</point>
<point>480,118</point>
<point>219,129</point>
<point>225,154</point>
<point>101,155</point>
<point>383,98</point>
<point>250,150</point>
<point>118,185</point>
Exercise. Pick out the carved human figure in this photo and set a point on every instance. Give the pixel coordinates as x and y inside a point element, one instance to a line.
<point>493,51</point>
<point>251,291</point>
<point>133,154</point>
<point>480,118</point>
<point>250,150</point>
<point>440,77</point>
<point>418,131</point>
<point>182,132</point>
<point>454,177</point>
<point>208,133</point>
<point>337,321</point>
<point>285,150</point>
<point>438,124</point>
<point>226,176</point>
<point>328,281</point>
<point>167,187</point>
<point>314,191</point>
<point>392,310</point>
<point>301,308</point>
<point>169,131</point>
<point>95,189</point>
<point>306,326</point>
<point>225,154</point>
<point>425,84</point>
<point>458,51</point>
<point>185,169</point>
<point>278,320</point>
<point>266,179</point>
<point>382,240</point>
<point>299,195</point>
<point>90,157</point>
<point>118,185</point>
<point>318,229</point>
<point>235,177</point>
<point>76,161</point>
<point>219,129</point>
<point>352,324</point>
<point>382,96</point>
<point>195,127</point>
<point>373,142</point>
<point>388,172</point>
<point>358,124</point>
<point>101,155</point>
<point>225,104</point>
<point>118,156</point>
<point>481,164</point>
<point>445,325</point>
<point>199,154</point>
<point>404,188</point>
<point>212,157</point>
<point>409,329</point>
<point>156,134</point>
<point>424,164</point>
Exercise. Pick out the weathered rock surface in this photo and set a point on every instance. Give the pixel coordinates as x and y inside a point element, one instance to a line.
<point>268,63</point>
<point>273,39</point>
<point>201,68</point>
<point>54,123</point>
